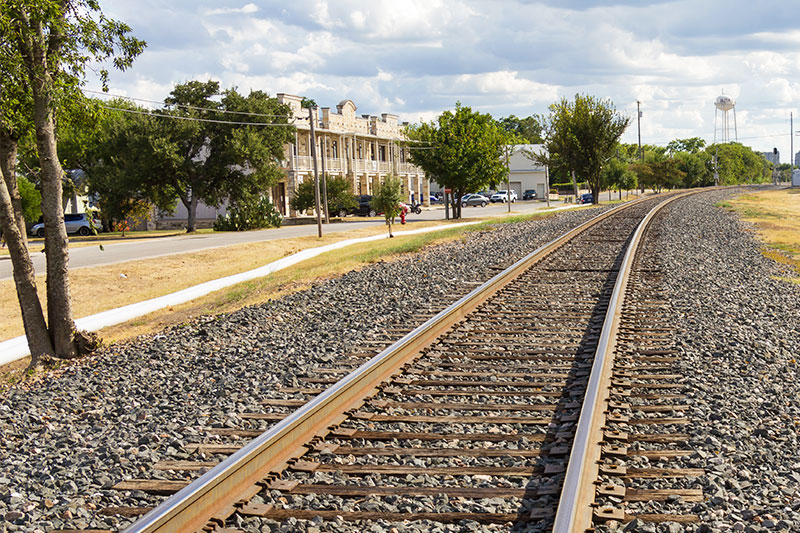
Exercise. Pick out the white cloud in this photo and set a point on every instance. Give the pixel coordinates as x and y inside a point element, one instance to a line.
<point>416,58</point>
<point>246,9</point>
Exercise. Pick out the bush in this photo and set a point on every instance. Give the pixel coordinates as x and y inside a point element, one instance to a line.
<point>249,215</point>
<point>31,200</point>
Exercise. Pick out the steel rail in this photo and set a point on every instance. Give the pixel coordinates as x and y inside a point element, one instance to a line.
<point>574,512</point>
<point>209,496</point>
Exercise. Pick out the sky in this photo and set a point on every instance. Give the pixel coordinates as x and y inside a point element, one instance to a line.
<point>417,58</point>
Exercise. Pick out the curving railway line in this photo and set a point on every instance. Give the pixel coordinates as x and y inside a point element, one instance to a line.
<point>543,400</point>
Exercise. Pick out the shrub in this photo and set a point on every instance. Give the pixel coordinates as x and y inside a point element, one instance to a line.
<point>249,215</point>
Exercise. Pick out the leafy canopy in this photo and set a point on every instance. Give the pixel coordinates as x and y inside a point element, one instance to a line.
<point>387,197</point>
<point>461,150</point>
<point>582,135</point>
<point>338,191</point>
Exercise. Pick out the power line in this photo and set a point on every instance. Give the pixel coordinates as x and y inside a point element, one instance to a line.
<point>185,106</point>
<point>194,119</point>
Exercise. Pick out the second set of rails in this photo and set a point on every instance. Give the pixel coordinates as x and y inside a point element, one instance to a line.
<point>545,399</point>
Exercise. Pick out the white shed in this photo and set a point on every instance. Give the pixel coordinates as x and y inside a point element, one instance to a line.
<point>524,172</point>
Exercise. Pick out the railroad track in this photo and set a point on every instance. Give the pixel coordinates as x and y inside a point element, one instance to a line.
<point>477,414</point>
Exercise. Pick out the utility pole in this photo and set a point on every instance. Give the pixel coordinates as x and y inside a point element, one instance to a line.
<point>791,144</point>
<point>547,183</point>
<point>508,176</point>
<point>312,119</point>
<point>324,143</point>
<point>639,127</point>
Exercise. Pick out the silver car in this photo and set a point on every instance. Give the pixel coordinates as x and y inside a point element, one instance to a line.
<point>474,199</point>
<point>80,223</point>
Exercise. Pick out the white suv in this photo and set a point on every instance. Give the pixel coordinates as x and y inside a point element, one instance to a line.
<point>502,196</point>
<point>80,223</point>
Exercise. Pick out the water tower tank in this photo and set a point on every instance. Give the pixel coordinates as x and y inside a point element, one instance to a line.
<point>724,102</point>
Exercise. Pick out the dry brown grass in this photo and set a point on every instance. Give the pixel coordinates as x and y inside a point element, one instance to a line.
<point>107,287</point>
<point>776,216</point>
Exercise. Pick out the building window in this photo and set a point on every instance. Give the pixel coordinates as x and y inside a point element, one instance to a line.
<point>382,152</point>
<point>360,151</point>
<point>334,150</point>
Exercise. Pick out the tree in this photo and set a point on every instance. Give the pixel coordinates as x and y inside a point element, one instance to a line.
<point>739,164</point>
<point>461,150</point>
<point>692,145</point>
<point>338,191</point>
<point>617,175</point>
<point>386,198</point>
<point>528,130</point>
<point>583,135</point>
<point>47,45</point>
<point>198,158</point>
<point>697,168</point>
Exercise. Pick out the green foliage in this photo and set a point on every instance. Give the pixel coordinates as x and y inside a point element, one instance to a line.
<point>739,164</point>
<point>529,129</point>
<point>173,153</point>
<point>658,175</point>
<point>31,200</point>
<point>697,168</point>
<point>249,215</point>
<point>339,195</point>
<point>461,150</point>
<point>616,174</point>
<point>693,145</point>
<point>387,197</point>
<point>582,136</point>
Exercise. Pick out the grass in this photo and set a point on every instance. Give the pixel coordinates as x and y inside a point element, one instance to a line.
<point>776,216</point>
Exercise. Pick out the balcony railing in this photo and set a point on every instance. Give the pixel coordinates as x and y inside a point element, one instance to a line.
<point>360,166</point>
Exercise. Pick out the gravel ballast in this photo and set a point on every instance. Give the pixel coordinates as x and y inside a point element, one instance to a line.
<point>68,438</point>
<point>72,435</point>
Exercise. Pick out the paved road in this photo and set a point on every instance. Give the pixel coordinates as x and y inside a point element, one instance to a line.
<point>88,256</point>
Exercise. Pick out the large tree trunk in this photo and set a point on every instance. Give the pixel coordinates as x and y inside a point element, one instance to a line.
<point>24,277</point>
<point>59,305</point>
<point>191,208</point>
<point>8,165</point>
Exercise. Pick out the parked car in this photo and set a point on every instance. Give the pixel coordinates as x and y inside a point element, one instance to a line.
<point>503,196</point>
<point>364,208</point>
<point>587,198</point>
<point>80,223</point>
<point>474,199</point>
<point>529,194</point>
<point>433,199</point>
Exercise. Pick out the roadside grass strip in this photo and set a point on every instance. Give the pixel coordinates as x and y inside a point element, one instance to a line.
<point>17,348</point>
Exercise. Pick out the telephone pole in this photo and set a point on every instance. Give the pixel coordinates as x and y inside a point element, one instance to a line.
<point>791,144</point>
<point>312,119</point>
<point>639,127</point>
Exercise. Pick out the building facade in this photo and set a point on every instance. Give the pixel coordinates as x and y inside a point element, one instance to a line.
<point>524,173</point>
<point>364,149</point>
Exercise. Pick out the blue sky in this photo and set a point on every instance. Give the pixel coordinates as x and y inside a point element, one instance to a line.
<point>417,58</point>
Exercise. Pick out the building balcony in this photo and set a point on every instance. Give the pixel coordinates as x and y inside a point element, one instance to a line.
<point>304,163</point>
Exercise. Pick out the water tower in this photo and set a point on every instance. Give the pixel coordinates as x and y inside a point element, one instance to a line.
<point>724,104</point>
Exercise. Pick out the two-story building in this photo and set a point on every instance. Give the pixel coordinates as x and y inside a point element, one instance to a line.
<point>364,149</point>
